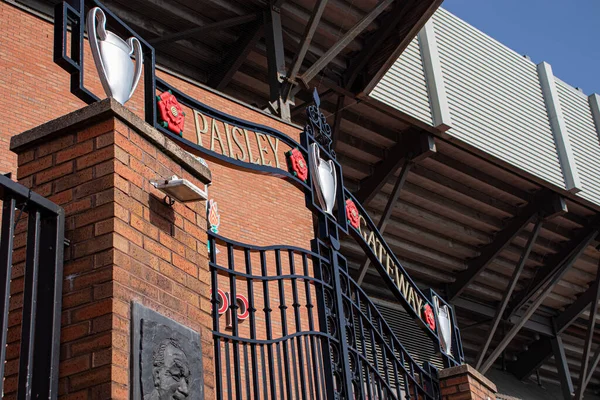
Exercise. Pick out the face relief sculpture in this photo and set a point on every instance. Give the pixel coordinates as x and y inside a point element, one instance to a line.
<point>171,372</point>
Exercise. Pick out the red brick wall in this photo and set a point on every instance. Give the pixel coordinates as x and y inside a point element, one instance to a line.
<point>465,383</point>
<point>35,90</point>
<point>126,245</point>
<point>121,249</point>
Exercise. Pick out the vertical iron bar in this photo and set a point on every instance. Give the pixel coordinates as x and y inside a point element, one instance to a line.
<point>294,367</point>
<point>297,318</point>
<point>309,368</point>
<point>247,371</point>
<point>252,318</point>
<point>234,320</point>
<point>30,294</point>
<point>6,251</point>
<point>215,314</point>
<point>311,324</point>
<point>228,370</point>
<point>341,321</point>
<point>327,371</point>
<point>268,323</point>
<point>364,370</point>
<point>49,307</point>
<point>150,86</point>
<point>280,370</point>
<point>264,373</point>
<point>284,329</point>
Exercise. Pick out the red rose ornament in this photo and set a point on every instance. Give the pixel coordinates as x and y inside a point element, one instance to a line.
<point>170,112</point>
<point>429,317</point>
<point>352,214</point>
<point>297,165</point>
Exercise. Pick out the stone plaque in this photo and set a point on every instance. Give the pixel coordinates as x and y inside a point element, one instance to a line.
<point>166,358</point>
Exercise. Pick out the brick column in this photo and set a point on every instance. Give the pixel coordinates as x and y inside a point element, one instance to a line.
<point>126,243</point>
<point>465,383</point>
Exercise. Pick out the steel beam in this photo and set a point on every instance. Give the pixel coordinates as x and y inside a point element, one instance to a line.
<point>235,57</point>
<point>593,365</point>
<point>341,44</point>
<point>583,371</point>
<point>573,311</point>
<point>502,239</point>
<point>540,351</point>
<point>309,32</point>
<point>420,145</point>
<point>387,212</point>
<point>373,44</point>
<point>567,258</point>
<point>511,286</point>
<point>558,264</point>
<point>337,120</point>
<point>537,354</point>
<point>562,366</point>
<point>275,51</point>
<point>215,26</point>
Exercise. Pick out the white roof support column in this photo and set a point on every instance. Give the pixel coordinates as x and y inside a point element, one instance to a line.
<point>433,75</point>
<point>559,128</point>
<point>594,101</point>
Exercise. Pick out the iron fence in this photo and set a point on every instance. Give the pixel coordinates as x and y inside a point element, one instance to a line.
<point>276,330</point>
<point>41,223</point>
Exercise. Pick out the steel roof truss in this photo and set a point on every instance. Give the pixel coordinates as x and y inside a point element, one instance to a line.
<point>583,372</point>
<point>511,286</point>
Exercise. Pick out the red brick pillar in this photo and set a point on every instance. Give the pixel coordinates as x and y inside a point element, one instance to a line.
<point>126,243</point>
<point>465,383</point>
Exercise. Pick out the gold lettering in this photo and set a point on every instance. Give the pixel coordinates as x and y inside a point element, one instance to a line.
<point>380,253</point>
<point>275,148</point>
<point>419,303</point>
<point>204,129</point>
<point>411,297</point>
<point>249,148</point>
<point>261,150</point>
<point>216,135</point>
<point>362,222</point>
<point>238,144</point>
<point>372,244</point>
<point>228,136</point>
<point>389,264</point>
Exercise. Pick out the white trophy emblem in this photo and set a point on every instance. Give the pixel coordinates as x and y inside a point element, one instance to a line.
<point>444,323</point>
<point>112,56</point>
<point>325,175</point>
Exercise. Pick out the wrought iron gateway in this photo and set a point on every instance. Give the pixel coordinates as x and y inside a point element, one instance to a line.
<point>298,326</point>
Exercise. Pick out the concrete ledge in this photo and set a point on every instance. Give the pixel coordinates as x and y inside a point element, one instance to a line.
<point>103,110</point>
<point>466,369</point>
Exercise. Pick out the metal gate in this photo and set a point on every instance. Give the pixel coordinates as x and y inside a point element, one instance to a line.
<point>291,323</point>
<point>33,226</point>
<point>307,331</point>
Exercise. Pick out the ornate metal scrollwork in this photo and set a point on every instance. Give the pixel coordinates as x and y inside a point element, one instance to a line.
<point>317,125</point>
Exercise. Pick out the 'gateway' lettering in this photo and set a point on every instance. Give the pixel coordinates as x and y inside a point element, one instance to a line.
<point>391,268</point>
<point>235,142</point>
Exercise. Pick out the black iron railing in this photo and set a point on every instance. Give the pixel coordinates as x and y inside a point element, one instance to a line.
<point>282,348</point>
<point>40,315</point>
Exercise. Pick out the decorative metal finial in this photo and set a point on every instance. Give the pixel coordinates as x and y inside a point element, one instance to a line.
<point>317,125</point>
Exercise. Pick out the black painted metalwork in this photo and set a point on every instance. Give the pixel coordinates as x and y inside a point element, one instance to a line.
<point>42,287</point>
<point>288,348</point>
<point>310,331</point>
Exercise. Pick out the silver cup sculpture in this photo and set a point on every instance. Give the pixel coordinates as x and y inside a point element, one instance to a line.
<point>326,178</point>
<point>444,323</point>
<point>112,56</point>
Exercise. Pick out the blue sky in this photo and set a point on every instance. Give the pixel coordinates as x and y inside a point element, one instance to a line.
<point>564,33</point>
